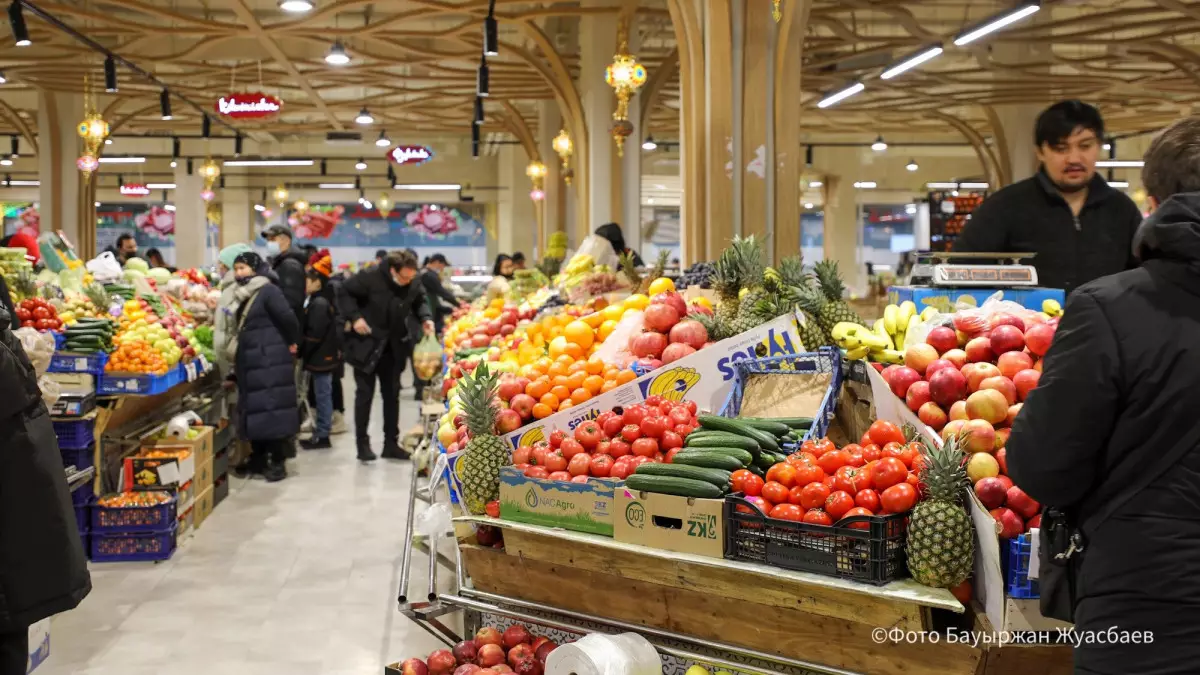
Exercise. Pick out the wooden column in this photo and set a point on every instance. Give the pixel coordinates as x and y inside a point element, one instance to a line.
<point>756,113</point>
<point>789,152</point>
<point>717,186</point>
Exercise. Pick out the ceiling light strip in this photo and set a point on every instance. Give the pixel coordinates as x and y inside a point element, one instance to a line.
<point>996,23</point>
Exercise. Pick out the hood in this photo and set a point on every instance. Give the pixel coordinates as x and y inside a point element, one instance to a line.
<point>1172,232</point>
<point>295,253</point>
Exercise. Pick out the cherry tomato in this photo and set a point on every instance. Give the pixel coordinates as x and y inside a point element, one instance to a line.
<point>537,472</point>
<point>631,432</point>
<point>867,499</point>
<point>832,460</point>
<point>619,448</point>
<point>653,427</point>
<point>589,434</point>
<point>887,472</point>
<point>774,492</point>
<point>670,441</point>
<point>849,479</point>
<point>601,466</point>
<point>580,464</point>
<point>556,437</point>
<point>871,452</point>
<point>570,447</point>
<point>645,447</point>
<point>613,425</point>
<point>782,473</point>
<point>813,495</point>
<point>787,512</point>
<point>898,498</point>
<point>817,517</point>
<point>883,432</point>
<point>858,511</point>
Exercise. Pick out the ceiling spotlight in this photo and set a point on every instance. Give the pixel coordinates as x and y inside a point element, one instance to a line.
<point>482,78</point>
<point>164,104</point>
<point>866,184</point>
<point>108,141</point>
<point>337,55</point>
<point>295,6</point>
<point>360,164</point>
<point>110,75</point>
<point>174,164</point>
<point>6,162</point>
<point>912,165</point>
<point>2,78</point>
<point>649,144</point>
<point>364,117</point>
<point>996,23</point>
<point>383,141</point>
<point>17,20</point>
<point>478,110</point>
<point>205,126</point>
<point>491,35</point>
<point>879,145</point>
<point>808,205</point>
<point>1107,146</point>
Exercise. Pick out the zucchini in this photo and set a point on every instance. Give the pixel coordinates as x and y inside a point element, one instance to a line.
<point>97,332</point>
<point>718,477</point>
<point>720,439</point>
<point>769,426</point>
<point>765,440</point>
<point>670,485</point>
<point>707,458</point>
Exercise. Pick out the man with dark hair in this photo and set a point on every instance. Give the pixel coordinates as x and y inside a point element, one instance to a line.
<point>518,259</point>
<point>1110,439</point>
<point>388,312</point>
<point>288,262</point>
<point>380,256</point>
<point>125,248</point>
<point>1079,226</point>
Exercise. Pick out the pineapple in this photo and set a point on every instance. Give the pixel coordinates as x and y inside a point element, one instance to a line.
<point>748,253</point>
<point>25,285</point>
<point>834,309</point>
<point>660,268</point>
<point>940,540</point>
<point>809,300</point>
<point>479,467</point>
<point>631,272</point>
<point>96,295</point>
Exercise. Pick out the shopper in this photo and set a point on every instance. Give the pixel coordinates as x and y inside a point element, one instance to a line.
<point>125,248</point>
<point>502,273</point>
<point>518,259</point>
<point>321,351</point>
<point>340,302</point>
<point>262,354</point>
<point>612,232</point>
<point>223,321</point>
<point>431,277</point>
<point>156,259</point>
<point>1079,227</point>
<point>289,262</point>
<point>388,314</point>
<point>1110,433</point>
<point>43,570</point>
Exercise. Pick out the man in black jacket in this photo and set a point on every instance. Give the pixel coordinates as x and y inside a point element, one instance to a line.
<point>43,570</point>
<point>1079,226</point>
<point>389,312</point>
<point>1110,433</point>
<point>431,277</point>
<point>288,262</point>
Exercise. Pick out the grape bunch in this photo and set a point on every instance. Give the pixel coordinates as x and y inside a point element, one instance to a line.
<point>699,274</point>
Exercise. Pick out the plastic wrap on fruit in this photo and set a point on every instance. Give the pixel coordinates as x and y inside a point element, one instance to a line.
<point>50,390</point>
<point>994,311</point>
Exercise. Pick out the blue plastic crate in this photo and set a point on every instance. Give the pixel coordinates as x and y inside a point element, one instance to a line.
<point>131,383</point>
<point>1016,568</point>
<point>80,458</point>
<point>106,519</point>
<point>67,362</point>
<point>83,495</point>
<point>133,546</point>
<point>825,360</point>
<point>75,434</point>
<point>60,339</point>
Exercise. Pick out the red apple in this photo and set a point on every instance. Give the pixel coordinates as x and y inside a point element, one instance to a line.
<point>490,654</point>
<point>956,356</point>
<point>952,429</point>
<point>1039,336</point>
<point>520,652</point>
<point>1005,479</point>
<point>946,386</point>
<point>1025,382</point>
<point>508,420</point>
<point>516,634</point>
<point>887,373</point>
<point>466,652</point>
<point>441,662</point>
<point>1003,385</point>
<point>1011,525</point>
<point>958,411</point>
<point>1022,503</point>
<point>543,650</point>
<point>1005,338</point>
<point>414,667</point>
<point>1033,522</point>
<point>979,436</point>
<point>903,378</point>
<point>976,373</point>
<point>919,356</point>
<point>1006,319</point>
<point>1002,440</point>
<point>937,365</point>
<point>917,395</point>
<point>488,636</point>
<point>471,668</point>
<point>988,405</point>
<point>932,416</point>
<point>1011,363</point>
<point>979,350</point>
<point>523,404</point>
<point>942,338</point>
<point>991,493</point>
<point>447,385</point>
<point>508,388</point>
<point>1013,411</point>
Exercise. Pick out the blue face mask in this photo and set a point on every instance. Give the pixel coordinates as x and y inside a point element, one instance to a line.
<point>273,247</point>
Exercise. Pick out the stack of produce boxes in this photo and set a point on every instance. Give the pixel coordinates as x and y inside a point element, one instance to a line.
<point>196,487</point>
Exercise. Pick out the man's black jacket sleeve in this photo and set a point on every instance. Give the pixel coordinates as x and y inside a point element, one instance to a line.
<point>434,288</point>
<point>291,282</point>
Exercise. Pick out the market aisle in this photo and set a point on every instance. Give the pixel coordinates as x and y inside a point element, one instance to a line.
<point>297,577</point>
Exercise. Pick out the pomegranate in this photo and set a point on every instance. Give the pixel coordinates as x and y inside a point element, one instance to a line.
<point>648,345</point>
<point>660,318</point>
<point>673,300</point>
<point>691,332</point>
<point>676,351</point>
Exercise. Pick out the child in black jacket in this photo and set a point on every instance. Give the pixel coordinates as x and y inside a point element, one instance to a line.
<point>322,350</point>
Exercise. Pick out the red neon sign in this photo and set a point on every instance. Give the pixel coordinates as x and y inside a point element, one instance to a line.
<point>248,105</point>
<point>410,154</point>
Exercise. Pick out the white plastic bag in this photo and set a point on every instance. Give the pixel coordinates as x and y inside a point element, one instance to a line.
<point>978,320</point>
<point>105,267</point>
<point>39,347</point>
<point>600,249</point>
<point>615,348</point>
<point>50,390</point>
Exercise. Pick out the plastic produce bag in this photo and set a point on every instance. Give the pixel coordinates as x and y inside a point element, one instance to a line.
<point>105,267</point>
<point>39,347</point>
<point>427,357</point>
<point>615,349</point>
<point>975,321</point>
<point>50,390</point>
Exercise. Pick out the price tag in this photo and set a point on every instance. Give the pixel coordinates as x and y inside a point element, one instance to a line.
<point>81,364</point>
<point>191,371</point>
<point>1034,553</point>
<point>204,362</point>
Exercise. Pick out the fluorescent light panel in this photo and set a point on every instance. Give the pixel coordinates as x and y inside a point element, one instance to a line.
<point>259,207</point>
<point>269,162</point>
<point>993,25</point>
<point>1120,163</point>
<point>160,186</point>
<point>122,160</point>
<point>169,207</point>
<point>428,186</point>
<point>942,186</point>
<point>21,183</point>
<point>336,186</point>
<point>1118,183</point>
<point>842,95</point>
<point>912,62</point>
<point>866,184</point>
<point>815,183</point>
<point>973,186</point>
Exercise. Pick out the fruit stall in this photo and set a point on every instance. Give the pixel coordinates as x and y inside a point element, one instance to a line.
<point>744,447</point>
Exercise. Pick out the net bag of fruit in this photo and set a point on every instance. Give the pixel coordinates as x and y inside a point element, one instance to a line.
<point>427,357</point>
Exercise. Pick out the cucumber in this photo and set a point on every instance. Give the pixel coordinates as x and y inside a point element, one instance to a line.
<point>793,422</point>
<point>765,440</point>
<point>769,426</point>
<point>754,469</point>
<point>97,332</point>
<point>670,485</point>
<point>706,458</point>
<point>741,455</point>
<point>721,440</point>
<point>764,461</point>
<point>718,477</point>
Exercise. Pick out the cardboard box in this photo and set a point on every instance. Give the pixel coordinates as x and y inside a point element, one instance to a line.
<point>186,521</point>
<point>204,476</point>
<point>945,298</point>
<point>153,473</point>
<point>680,524</point>
<point>39,645</point>
<point>74,383</point>
<point>201,445</point>
<point>581,507</point>
<point>705,377</point>
<point>203,506</point>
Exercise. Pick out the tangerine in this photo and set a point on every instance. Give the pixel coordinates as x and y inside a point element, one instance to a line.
<point>541,410</point>
<point>593,383</point>
<point>626,376</point>
<point>580,395</point>
<point>560,391</point>
<point>550,400</point>
<point>538,388</point>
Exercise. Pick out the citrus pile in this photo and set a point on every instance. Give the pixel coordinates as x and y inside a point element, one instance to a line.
<point>136,357</point>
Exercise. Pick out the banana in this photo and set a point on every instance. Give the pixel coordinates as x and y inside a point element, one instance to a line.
<point>857,353</point>
<point>908,309</point>
<point>849,335</point>
<point>928,313</point>
<point>841,329</point>
<point>1051,307</point>
<point>890,316</point>
<point>888,356</point>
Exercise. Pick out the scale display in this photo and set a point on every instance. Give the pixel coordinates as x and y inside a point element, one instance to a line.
<point>995,270</point>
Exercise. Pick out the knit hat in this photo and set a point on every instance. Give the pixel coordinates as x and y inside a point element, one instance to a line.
<point>321,262</point>
<point>250,259</point>
<point>229,254</point>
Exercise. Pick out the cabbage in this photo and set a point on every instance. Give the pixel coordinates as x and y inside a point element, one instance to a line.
<point>159,275</point>
<point>137,264</point>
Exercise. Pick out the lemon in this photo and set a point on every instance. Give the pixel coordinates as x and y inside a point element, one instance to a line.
<point>637,301</point>
<point>703,302</point>
<point>661,285</point>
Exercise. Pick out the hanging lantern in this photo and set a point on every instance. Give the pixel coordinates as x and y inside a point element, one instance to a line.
<point>209,171</point>
<point>626,76</point>
<point>92,131</point>
<point>87,164</point>
<point>300,206</point>
<point>207,195</point>
<point>537,173</point>
<point>384,204</point>
<point>537,194</point>
<point>281,194</point>
<point>563,147</point>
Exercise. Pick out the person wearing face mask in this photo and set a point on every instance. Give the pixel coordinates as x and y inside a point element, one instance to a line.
<point>288,262</point>
<point>388,312</point>
<point>1080,227</point>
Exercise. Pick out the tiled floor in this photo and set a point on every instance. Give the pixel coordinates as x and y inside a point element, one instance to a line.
<point>296,578</point>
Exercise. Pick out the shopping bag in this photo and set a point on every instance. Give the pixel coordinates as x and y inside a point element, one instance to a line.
<point>427,357</point>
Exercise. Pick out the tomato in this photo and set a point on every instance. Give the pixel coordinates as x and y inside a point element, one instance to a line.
<point>871,452</point>
<point>813,495</point>
<point>774,492</point>
<point>858,511</point>
<point>44,324</point>
<point>613,425</point>
<point>867,499</point>
<point>539,456</point>
<point>621,468</point>
<point>852,448</point>
<point>787,512</point>
<point>817,517</point>
<point>898,498</point>
<point>522,454</point>
<point>809,446</point>
<point>604,417</point>
<point>827,481</point>
<point>823,446</point>
<point>580,464</point>
<point>670,441</point>
<point>493,509</point>
<point>602,448</point>
<point>556,437</point>
<point>589,434</point>
<point>24,314</point>
<point>631,432</point>
<point>570,447</point>
<point>653,427</point>
<point>654,400</point>
<point>684,429</point>
<point>856,459</point>
<point>887,472</point>
<point>637,460</point>
<point>849,479</point>
<point>666,407</point>
<point>681,416</point>
<point>619,448</point>
<point>601,466</point>
<point>634,414</point>
<point>809,473</point>
<point>582,478</point>
<point>913,480</point>
<point>737,479</point>
<point>753,485</point>
<point>555,461</point>
<point>670,456</point>
<point>782,473</point>
<point>27,324</point>
<point>645,447</point>
<point>866,440</point>
<point>41,313</point>
<point>832,460</point>
<point>537,472</point>
<point>561,476</point>
<point>918,461</point>
<point>900,452</point>
<point>883,432</point>
<point>692,408</point>
<point>838,503</point>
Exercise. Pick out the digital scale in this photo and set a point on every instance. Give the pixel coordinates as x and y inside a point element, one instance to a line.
<point>995,270</point>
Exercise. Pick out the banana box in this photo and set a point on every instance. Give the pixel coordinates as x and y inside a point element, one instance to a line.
<point>945,299</point>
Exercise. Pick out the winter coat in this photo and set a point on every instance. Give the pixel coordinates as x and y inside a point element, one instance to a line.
<point>267,405</point>
<point>436,292</point>
<point>1116,398</point>
<point>289,268</point>
<point>223,320</point>
<point>394,313</point>
<point>1031,216</point>
<point>321,349</point>
<point>43,570</point>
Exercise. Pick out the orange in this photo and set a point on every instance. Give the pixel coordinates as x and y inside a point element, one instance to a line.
<point>550,400</point>
<point>593,320</point>
<point>541,410</point>
<point>565,359</point>
<point>556,369</point>
<point>560,391</point>
<point>575,380</point>
<point>609,385</point>
<point>567,403</point>
<point>538,388</point>
<point>543,364</point>
<point>557,331</point>
<point>580,395</point>
<point>605,330</point>
<point>595,366</point>
<point>580,333</point>
<point>574,350</point>
<point>558,346</point>
<point>624,376</point>
<point>593,383</point>
<point>561,381</point>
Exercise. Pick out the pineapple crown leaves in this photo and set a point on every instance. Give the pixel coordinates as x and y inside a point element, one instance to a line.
<point>478,393</point>
<point>716,331</point>
<point>630,270</point>
<point>660,265</point>
<point>944,474</point>
<point>830,279</point>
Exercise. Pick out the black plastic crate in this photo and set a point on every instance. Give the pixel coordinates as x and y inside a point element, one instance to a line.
<point>220,491</point>
<point>874,554</point>
<point>220,463</point>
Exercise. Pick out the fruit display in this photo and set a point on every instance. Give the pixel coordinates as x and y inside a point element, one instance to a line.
<point>14,267</point>
<point>139,498</point>
<point>697,274</point>
<point>515,650</point>
<point>39,314</point>
<point>136,356</point>
<point>87,336</point>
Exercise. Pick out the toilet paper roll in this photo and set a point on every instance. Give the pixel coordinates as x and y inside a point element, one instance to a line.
<point>596,654</point>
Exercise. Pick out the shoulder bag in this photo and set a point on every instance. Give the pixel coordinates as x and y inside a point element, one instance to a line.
<point>231,346</point>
